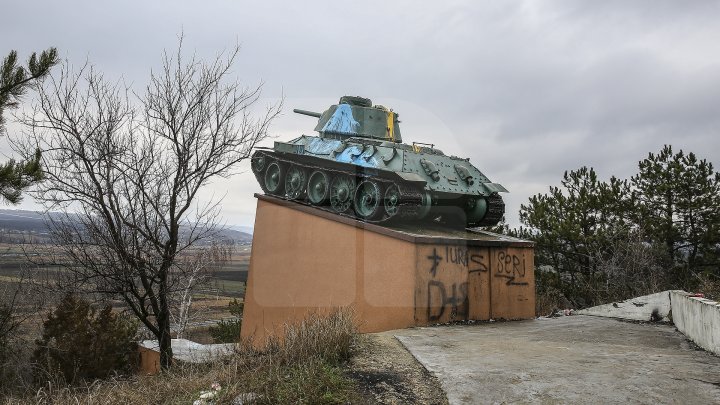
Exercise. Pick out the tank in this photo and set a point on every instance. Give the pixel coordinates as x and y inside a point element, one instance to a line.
<point>358,166</point>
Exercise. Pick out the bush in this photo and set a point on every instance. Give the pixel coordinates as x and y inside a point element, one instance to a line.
<point>292,370</point>
<point>229,331</point>
<point>226,331</point>
<point>79,342</point>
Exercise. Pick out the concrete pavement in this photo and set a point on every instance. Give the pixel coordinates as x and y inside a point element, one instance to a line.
<point>575,359</point>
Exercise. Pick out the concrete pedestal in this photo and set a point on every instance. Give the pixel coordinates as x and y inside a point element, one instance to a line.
<point>304,259</point>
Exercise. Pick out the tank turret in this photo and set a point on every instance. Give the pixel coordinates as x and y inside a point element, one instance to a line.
<point>359,167</point>
<point>355,116</point>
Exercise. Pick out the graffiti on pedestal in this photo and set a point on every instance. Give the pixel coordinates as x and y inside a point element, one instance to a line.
<point>510,267</point>
<point>456,255</point>
<point>455,297</point>
<point>435,259</point>
<point>443,296</point>
<point>456,278</point>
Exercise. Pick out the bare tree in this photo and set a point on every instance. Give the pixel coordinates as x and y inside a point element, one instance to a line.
<point>127,170</point>
<point>198,269</point>
<point>627,266</point>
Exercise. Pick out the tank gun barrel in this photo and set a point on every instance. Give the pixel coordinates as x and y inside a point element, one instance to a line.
<point>305,112</point>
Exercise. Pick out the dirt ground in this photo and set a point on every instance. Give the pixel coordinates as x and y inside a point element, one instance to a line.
<point>388,374</point>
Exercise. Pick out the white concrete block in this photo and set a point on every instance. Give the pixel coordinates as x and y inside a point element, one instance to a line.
<point>192,352</point>
<point>698,319</point>
<point>653,307</point>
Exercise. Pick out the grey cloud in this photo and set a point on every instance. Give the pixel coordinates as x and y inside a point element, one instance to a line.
<point>526,89</point>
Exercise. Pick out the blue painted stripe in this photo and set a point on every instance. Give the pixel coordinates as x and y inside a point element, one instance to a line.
<point>352,155</point>
<point>342,121</point>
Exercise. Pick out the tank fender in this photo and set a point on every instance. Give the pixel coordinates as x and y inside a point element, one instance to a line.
<point>411,177</point>
<point>287,147</point>
<point>368,152</point>
<point>388,159</point>
<point>495,188</point>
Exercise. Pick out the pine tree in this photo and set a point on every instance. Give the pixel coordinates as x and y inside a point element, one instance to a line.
<point>679,206</point>
<point>572,225</point>
<point>14,82</point>
<point>80,342</point>
<point>616,239</point>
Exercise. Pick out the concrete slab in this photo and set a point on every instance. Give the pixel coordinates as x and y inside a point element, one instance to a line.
<point>653,307</point>
<point>575,359</point>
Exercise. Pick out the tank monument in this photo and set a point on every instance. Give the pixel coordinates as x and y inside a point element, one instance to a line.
<point>356,218</point>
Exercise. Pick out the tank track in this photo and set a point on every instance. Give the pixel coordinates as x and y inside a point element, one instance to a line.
<point>409,206</point>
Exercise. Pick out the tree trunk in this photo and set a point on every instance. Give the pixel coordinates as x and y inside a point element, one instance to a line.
<point>165,342</point>
<point>163,318</point>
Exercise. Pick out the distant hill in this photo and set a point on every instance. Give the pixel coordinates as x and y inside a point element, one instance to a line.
<point>245,229</point>
<point>18,226</point>
<point>243,238</point>
<point>22,221</point>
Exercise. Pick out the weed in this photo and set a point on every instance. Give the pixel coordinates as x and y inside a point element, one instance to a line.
<point>306,366</point>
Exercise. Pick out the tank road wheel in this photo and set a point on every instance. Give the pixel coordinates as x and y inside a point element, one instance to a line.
<point>274,178</point>
<point>368,200</point>
<point>392,201</point>
<point>341,193</point>
<point>318,187</point>
<point>258,163</point>
<point>295,182</point>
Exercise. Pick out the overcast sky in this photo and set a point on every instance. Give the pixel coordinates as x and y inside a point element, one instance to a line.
<point>525,89</point>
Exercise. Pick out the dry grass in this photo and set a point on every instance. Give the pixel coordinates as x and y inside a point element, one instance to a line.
<point>710,286</point>
<point>306,366</point>
<point>325,337</point>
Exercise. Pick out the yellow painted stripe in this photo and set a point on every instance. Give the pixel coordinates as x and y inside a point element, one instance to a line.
<point>391,126</point>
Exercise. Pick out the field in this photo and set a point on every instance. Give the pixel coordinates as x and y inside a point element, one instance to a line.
<point>16,259</point>
<point>230,280</point>
<point>210,301</point>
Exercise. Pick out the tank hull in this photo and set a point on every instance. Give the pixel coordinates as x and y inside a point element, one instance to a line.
<point>379,181</point>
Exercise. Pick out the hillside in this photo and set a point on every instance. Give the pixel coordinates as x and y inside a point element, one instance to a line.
<point>22,226</point>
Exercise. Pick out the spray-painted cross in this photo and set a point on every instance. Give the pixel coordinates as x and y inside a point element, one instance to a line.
<point>436,260</point>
